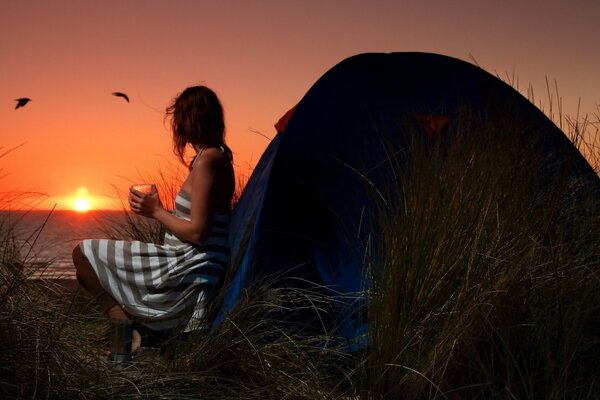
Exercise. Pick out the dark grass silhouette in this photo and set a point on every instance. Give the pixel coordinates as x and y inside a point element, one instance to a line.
<point>481,288</point>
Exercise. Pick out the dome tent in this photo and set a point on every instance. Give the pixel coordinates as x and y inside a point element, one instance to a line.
<point>304,217</point>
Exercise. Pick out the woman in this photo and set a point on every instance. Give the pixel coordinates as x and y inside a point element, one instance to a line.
<point>166,287</point>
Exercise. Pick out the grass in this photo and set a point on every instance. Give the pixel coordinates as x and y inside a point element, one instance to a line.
<point>482,288</point>
<point>490,290</point>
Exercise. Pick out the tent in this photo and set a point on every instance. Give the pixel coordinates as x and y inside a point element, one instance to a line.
<point>303,216</point>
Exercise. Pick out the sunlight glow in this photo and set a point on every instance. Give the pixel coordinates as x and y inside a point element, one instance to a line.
<point>81,203</point>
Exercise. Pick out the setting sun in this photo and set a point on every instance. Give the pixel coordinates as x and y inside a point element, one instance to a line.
<point>81,203</point>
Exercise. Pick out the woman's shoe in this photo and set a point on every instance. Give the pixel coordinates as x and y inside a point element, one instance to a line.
<point>152,343</point>
<point>120,361</point>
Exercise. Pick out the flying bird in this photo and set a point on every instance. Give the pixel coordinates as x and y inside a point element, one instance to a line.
<point>123,95</point>
<point>22,101</point>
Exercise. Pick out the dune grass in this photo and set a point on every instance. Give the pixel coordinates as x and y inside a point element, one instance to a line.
<point>489,287</point>
<point>481,288</point>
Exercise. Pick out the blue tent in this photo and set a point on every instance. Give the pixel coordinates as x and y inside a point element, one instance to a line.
<point>304,213</point>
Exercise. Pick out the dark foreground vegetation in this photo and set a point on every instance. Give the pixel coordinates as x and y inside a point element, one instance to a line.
<point>485,286</point>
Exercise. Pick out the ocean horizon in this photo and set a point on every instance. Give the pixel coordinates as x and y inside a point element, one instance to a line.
<point>46,238</point>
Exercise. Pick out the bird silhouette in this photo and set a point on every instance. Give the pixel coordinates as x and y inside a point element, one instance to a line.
<point>123,95</point>
<point>22,101</point>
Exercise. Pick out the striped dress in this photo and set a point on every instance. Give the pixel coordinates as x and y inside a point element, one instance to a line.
<point>163,286</point>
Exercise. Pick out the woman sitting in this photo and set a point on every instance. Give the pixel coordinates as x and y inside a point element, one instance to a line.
<point>166,287</point>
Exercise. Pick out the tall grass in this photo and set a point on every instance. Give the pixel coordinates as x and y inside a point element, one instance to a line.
<point>485,286</point>
<point>490,274</point>
<point>32,312</point>
<point>53,345</point>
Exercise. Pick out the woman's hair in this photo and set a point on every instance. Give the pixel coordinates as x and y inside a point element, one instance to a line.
<point>196,118</point>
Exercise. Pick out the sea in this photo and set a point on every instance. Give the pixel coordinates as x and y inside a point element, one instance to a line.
<point>45,239</point>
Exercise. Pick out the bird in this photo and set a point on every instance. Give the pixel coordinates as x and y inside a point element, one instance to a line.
<point>123,95</point>
<point>22,101</point>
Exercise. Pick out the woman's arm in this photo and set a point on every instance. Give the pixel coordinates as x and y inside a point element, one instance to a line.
<point>203,179</point>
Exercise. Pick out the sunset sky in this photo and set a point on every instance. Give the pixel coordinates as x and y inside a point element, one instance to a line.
<point>259,56</point>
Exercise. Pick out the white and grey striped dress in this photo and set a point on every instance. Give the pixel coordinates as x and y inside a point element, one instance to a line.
<point>163,286</point>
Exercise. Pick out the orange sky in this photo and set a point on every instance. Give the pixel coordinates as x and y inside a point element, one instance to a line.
<point>259,56</point>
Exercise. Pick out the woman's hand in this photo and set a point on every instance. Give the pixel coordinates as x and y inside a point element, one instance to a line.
<point>144,204</point>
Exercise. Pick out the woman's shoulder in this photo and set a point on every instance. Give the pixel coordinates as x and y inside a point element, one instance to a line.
<point>215,154</point>
<point>212,156</point>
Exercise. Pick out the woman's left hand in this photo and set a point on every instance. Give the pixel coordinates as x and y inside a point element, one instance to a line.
<point>144,204</point>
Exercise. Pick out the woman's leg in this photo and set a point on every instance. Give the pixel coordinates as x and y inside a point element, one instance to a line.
<point>124,340</point>
<point>89,281</point>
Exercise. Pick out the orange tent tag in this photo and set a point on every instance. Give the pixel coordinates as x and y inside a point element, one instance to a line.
<point>431,124</point>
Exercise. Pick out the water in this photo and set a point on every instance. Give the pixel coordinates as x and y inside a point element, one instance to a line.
<point>47,238</point>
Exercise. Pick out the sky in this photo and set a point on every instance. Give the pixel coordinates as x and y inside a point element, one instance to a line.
<point>75,139</point>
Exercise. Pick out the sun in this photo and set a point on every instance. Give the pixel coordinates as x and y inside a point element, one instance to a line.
<point>81,203</point>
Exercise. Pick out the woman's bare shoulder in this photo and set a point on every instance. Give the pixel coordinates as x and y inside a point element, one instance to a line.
<point>214,153</point>
<point>211,157</point>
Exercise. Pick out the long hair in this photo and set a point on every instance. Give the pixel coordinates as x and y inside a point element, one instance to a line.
<point>196,118</point>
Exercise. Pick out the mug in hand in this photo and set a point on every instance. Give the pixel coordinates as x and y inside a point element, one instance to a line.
<point>143,188</point>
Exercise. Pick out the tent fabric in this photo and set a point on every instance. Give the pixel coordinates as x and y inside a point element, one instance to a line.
<point>304,213</point>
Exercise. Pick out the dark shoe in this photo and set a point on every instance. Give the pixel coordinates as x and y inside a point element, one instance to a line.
<point>120,361</point>
<point>151,338</point>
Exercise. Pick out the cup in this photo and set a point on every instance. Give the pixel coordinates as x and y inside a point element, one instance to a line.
<point>121,336</point>
<point>143,188</point>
